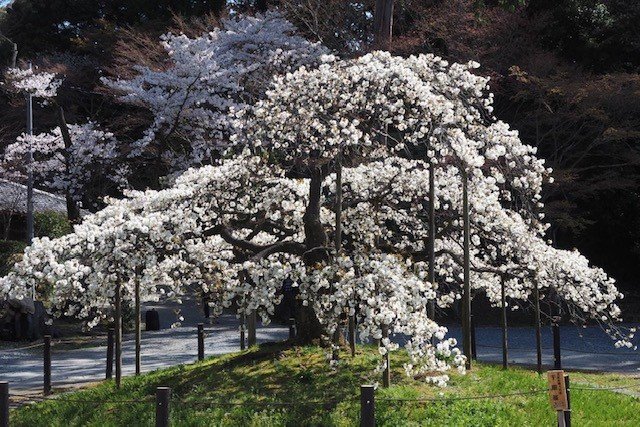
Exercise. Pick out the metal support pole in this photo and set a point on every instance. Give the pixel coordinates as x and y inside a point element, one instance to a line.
<point>474,352</point>
<point>118,328</point>
<point>163,397</point>
<point>466,295</point>
<point>200,341</point>
<point>557,356</point>
<point>386,374</point>
<point>110,343</point>
<point>505,342</point>
<point>367,406</point>
<point>352,335</point>
<point>47,365</point>
<point>536,296</point>
<point>4,404</point>
<point>432,236</point>
<point>137,315</point>
<point>30,220</point>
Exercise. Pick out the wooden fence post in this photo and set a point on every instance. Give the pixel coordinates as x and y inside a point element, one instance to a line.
<point>292,329</point>
<point>200,341</point>
<point>367,406</point>
<point>163,396</point>
<point>567,413</point>
<point>4,404</point>
<point>110,341</point>
<point>47,365</point>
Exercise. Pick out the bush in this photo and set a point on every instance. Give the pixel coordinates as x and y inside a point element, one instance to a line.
<point>51,224</point>
<point>10,251</point>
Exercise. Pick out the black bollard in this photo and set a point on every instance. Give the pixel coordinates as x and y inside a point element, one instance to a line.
<point>110,344</point>
<point>292,329</point>
<point>367,406</point>
<point>4,404</point>
<point>163,396</point>
<point>200,341</point>
<point>47,365</point>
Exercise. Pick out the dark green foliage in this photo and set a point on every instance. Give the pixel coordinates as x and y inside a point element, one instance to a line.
<point>51,224</point>
<point>42,25</point>
<point>599,33</point>
<point>9,254</point>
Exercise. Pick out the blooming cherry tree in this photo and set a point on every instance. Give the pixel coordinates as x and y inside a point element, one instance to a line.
<point>91,160</point>
<point>209,78</point>
<point>238,228</point>
<point>38,84</point>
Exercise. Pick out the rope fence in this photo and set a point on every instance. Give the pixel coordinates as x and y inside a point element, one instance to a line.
<point>163,401</point>
<point>163,394</point>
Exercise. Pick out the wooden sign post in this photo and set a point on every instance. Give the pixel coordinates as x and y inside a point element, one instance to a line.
<point>558,395</point>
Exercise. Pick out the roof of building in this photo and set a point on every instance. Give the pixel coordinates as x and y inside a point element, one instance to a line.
<point>13,197</point>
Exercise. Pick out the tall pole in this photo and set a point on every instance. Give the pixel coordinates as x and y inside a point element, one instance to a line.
<point>505,342</point>
<point>338,240</point>
<point>431,309</point>
<point>118,327</point>
<point>536,296</point>
<point>29,168</point>
<point>466,296</point>
<point>138,322</point>
<point>30,227</point>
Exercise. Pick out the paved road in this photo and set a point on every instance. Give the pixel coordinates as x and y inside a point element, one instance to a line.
<point>582,348</point>
<point>585,349</point>
<point>23,368</point>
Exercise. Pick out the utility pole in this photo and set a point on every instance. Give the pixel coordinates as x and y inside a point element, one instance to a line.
<point>30,174</point>
<point>29,168</point>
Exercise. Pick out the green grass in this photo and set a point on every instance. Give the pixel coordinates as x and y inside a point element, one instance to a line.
<point>302,376</point>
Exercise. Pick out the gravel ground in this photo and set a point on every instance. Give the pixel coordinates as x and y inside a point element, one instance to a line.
<point>584,349</point>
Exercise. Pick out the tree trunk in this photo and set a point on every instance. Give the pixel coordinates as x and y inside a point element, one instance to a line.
<point>383,23</point>
<point>309,328</point>
<point>73,213</point>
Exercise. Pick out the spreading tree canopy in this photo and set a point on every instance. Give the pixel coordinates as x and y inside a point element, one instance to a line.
<point>264,210</point>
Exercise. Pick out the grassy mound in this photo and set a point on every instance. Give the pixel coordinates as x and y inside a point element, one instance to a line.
<point>280,386</point>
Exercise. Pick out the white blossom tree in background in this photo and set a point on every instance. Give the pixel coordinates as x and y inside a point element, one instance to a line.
<point>75,160</point>
<point>41,85</point>
<point>207,79</point>
<point>265,213</point>
<point>92,160</point>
